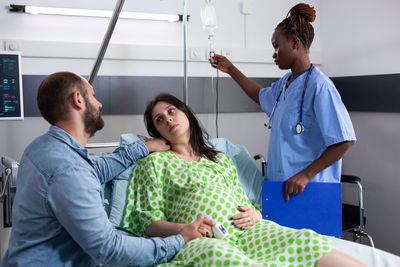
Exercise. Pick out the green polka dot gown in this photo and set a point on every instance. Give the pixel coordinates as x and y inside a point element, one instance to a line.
<point>166,187</point>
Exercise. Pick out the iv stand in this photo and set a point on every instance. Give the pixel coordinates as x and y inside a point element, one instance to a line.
<point>185,77</point>
<point>106,40</point>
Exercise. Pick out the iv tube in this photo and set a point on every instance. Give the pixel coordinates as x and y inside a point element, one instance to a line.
<point>209,23</point>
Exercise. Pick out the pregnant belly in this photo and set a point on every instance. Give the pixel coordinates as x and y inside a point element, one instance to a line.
<point>214,204</point>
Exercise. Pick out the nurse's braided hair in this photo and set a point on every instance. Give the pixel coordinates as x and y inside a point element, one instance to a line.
<point>298,23</point>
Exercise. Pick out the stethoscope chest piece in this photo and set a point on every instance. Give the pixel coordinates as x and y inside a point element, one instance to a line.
<point>299,128</point>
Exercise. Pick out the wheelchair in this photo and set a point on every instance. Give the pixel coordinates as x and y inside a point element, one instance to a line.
<point>353,218</point>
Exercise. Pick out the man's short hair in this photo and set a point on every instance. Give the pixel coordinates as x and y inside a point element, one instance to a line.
<point>54,92</point>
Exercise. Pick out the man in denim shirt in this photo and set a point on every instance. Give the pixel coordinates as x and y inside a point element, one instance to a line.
<point>58,215</point>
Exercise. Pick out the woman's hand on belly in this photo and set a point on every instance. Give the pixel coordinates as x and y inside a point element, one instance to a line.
<point>246,218</point>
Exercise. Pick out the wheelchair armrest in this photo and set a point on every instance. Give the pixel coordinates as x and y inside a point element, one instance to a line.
<point>350,179</point>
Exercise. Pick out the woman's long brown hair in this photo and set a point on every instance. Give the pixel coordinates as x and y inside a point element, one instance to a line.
<point>199,138</point>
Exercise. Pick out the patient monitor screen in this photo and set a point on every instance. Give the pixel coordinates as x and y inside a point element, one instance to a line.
<point>11,106</point>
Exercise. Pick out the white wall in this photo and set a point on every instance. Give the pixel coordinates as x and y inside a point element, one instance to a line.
<point>362,38</point>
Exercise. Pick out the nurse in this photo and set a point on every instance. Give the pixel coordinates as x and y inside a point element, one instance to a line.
<point>310,127</point>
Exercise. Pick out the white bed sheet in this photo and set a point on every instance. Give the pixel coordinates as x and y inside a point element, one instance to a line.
<point>371,256</point>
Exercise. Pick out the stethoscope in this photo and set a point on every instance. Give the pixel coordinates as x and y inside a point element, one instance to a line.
<point>299,125</point>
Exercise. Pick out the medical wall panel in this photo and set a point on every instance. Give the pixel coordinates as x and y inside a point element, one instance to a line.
<point>130,94</point>
<point>31,85</point>
<point>370,93</point>
<point>203,93</point>
<point>125,95</point>
<point>102,92</point>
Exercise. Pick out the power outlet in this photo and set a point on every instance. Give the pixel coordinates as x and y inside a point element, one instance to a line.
<point>247,7</point>
<point>227,53</point>
<point>195,53</point>
<point>12,45</point>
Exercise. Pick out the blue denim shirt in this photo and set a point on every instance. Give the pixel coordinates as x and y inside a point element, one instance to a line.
<point>58,215</point>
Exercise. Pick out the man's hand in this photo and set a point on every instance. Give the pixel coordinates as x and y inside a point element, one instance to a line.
<point>205,229</point>
<point>157,145</point>
<point>296,184</point>
<point>195,229</point>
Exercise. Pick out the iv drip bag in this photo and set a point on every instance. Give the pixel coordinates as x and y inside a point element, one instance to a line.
<point>209,18</point>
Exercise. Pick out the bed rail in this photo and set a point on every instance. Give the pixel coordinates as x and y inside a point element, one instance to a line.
<point>102,145</point>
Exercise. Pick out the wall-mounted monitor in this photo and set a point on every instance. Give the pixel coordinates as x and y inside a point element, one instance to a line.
<point>11,99</point>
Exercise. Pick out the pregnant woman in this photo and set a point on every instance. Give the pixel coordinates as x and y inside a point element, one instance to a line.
<point>172,188</point>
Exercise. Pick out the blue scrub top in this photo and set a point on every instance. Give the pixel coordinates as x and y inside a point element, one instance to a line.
<point>325,119</point>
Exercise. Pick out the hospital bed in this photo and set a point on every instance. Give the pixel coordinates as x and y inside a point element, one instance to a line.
<point>251,179</point>
<point>115,193</point>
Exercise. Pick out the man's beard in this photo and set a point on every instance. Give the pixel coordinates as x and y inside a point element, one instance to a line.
<point>92,119</point>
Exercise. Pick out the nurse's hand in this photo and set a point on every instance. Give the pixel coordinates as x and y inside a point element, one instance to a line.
<point>246,218</point>
<point>296,184</point>
<point>157,145</point>
<point>221,63</point>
